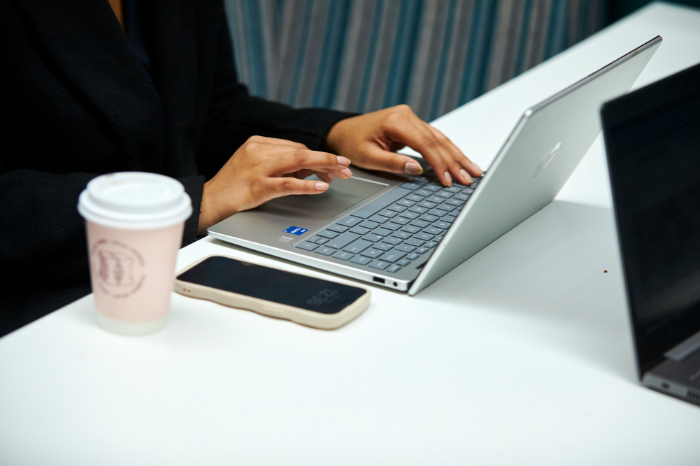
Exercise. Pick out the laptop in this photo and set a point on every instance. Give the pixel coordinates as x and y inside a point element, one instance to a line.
<point>406,232</point>
<point>652,138</point>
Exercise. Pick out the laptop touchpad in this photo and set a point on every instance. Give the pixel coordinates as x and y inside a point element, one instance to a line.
<point>341,195</point>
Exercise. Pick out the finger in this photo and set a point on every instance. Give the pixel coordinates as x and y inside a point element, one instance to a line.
<point>278,187</point>
<point>293,161</point>
<point>276,142</point>
<point>472,168</point>
<point>406,128</point>
<point>380,159</point>
<point>327,177</point>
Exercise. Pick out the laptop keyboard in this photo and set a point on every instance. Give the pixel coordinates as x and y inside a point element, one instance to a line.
<point>397,228</point>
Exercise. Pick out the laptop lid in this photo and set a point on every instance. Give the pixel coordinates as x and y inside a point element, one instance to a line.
<point>652,137</point>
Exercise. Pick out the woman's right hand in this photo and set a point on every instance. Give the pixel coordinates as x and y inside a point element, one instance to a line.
<point>263,169</point>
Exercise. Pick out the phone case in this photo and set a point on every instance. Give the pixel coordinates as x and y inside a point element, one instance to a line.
<point>272,309</point>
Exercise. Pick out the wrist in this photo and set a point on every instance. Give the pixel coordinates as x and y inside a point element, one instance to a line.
<point>207,210</point>
<point>333,141</point>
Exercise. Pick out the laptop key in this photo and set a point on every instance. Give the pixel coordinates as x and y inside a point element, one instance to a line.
<point>439,238</point>
<point>401,234</point>
<point>322,241</point>
<point>326,251</point>
<point>372,237</point>
<point>422,250</point>
<point>410,185</point>
<point>343,255</point>
<point>468,190</point>
<point>368,224</point>
<point>393,268</point>
<point>448,218</point>
<point>455,202</point>
<point>433,231</point>
<point>411,229</point>
<point>428,217</point>
<point>349,221</point>
<point>403,262</point>
<point>307,245</point>
<point>391,226</point>
<point>423,192</point>
<point>406,203</point>
<point>414,197</point>
<point>415,242</point>
<point>362,260</point>
<point>420,223</point>
<point>383,246</point>
<point>426,204</point>
<point>438,213</point>
<point>342,240</point>
<point>327,234</point>
<point>313,239</point>
<point>378,219</point>
<point>378,264</point>
<point>431,244</point>
<point>454,189</point>
<point>359,230</point>
<point>401,220</point>
<point>432,187</point>
<point>373,252</point>
<point>338,228</point>
<point>445,194</point>
<point>411,215</point>
<point>424,236</point>
<point>413,256</point>
<point>392,256</point>
<point>388,213</point>
<point>440,224</point>
<point>380,203</point>
<point>397,208</point>
<point>381,231</point>
<point>418,209</point>
<point>405,248</point>
<point>392,240</point>
<point>357,246</point>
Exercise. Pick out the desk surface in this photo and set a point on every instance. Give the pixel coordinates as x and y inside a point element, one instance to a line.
<point>522,355</point>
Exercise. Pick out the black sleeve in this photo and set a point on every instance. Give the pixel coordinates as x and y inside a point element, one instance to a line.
<point>42,235</point>
<point>235,116</point>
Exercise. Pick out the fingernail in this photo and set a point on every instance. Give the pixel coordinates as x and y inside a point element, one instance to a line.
<point>346,172</point>
<point>343,161</point>
<point>321,186</point>
<point>465,176</point>
<point>412,168</point>
<point>481,172</point>
<point>448,178</point>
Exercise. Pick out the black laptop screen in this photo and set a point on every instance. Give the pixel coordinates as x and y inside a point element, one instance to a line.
<point>653,143</point>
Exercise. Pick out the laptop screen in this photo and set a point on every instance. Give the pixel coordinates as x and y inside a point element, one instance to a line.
<point>652,138</point>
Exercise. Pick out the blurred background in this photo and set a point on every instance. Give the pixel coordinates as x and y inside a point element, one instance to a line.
<point>435,55</point>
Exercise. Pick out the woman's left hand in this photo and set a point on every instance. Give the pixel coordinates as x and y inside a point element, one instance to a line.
<point>371,141</point>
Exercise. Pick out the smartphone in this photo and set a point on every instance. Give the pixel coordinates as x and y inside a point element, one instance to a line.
<point>273,292</point>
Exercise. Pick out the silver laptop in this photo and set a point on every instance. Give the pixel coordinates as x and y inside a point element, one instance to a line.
<point>406,232</point>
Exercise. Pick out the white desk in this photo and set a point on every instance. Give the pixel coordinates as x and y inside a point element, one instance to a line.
<point>522,355</point>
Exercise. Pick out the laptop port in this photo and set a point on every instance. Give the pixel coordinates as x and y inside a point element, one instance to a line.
<point>378,280</point>
<point>665,386</point>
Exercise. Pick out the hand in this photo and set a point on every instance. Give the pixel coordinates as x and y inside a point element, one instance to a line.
<point>371,142</point>
<point>263,169</point>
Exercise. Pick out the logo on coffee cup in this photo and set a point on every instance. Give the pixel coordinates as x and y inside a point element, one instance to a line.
<point>117,268</point>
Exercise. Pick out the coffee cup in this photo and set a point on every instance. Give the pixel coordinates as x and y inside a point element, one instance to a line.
<point>134,225</point>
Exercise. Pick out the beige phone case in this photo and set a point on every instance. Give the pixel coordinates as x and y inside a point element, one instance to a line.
<point>271,309</point>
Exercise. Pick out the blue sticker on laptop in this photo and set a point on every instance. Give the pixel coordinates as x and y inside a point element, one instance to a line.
<point>296,231</point>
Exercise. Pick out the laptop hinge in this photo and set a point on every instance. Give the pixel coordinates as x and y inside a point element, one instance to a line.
<point>685,349</point>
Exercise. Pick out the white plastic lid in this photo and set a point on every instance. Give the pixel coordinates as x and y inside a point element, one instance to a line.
<point>135,201</point>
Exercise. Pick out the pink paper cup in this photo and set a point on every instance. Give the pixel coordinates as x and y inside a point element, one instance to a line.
<point>134,229</point>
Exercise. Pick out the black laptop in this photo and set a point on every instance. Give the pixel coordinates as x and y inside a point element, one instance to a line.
<point>652,137</point>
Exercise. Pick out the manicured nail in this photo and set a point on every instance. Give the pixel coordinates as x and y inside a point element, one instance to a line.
<point>321,186</point>
<point>476,167</point>
<point>343,161</point>
<point>346,172</point>
<point>465,176</point>
<point>412,168</point>
<point>448,178</point>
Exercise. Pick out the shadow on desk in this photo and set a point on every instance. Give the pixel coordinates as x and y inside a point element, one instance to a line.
<point>558,273</point>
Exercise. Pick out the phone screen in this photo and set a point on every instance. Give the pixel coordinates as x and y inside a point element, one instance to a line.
<point>274,285</point>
